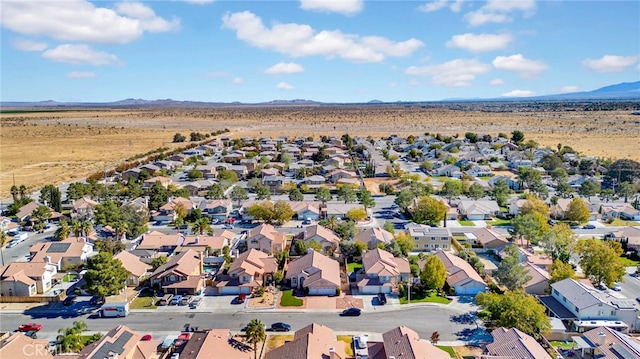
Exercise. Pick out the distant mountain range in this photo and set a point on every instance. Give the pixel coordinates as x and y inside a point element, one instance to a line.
<point>621,91</point>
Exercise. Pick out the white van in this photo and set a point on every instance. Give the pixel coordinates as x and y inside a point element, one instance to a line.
<point>113,310</point>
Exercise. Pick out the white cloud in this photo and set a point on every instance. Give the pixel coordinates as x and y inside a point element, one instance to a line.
<point>346,7</point>
<point>302,40</point>
<point>610,63</point>
<point>480,42</point>
<point>496,82</point>
<point>238,80</point>
<point>80,20</point>
<point>455,73</point>
<point>436,5</point>
<point>81,75</point>
<point>284,68</point>
<point>80,54</point>
<point>567,89</point>
<point>499,11</point>
<point>29,45</point>
<point>519,93</point>
<point>284,86</point>
<point>518,63</point>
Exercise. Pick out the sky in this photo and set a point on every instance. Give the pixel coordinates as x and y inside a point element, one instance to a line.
<point>344,51</point>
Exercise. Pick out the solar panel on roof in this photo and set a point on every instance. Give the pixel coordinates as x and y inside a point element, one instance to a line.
<point>58,247</point>
<point>115,347</point>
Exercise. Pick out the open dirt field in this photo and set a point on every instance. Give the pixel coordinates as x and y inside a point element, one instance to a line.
<point>38,148</point>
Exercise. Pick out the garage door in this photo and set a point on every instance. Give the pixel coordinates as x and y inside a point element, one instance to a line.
<point>322,291</point>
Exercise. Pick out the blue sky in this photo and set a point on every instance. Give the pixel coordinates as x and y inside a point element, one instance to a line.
<point>322,50</point>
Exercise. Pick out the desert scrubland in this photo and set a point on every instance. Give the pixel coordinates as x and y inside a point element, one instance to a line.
<point>38,148</point>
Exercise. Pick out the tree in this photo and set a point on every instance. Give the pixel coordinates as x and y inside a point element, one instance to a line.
<point>426,166</point>
<point>532,227</point>
<point>601,260</point>
<point>510,273</point>
<point>534,205</point>
<point>71,339</point>
<point>216,192</point>
<point>262,192</point>
<point>388,226</point>
<point>394,170</point>
<point>626,190</point>
<point>365,198</point>
<point>157,262</point>
<point>515,309</point>
<point>346,230</point>
<point>105,275</point>
<point>238,194</point>
<point>624,170</point>
<point>346,193</point>
<point>404,198</point>
<point>179,138</point>
<point>351,249</point>
<point>357,214</point>
<point>405,243</point>
<point>578,211</point>
<point>51,196</point>
<point>41,214</point>
<point>63,231</point>
<point>451,189</point>
<point>517,137</point>
<point>476,191</point>
<point>202,225</point>
<point>261,211</point>
<point>589,189</point>
<point>282,212</point>
<point>111,245</point>
<point>531,179</point>
<point>551,162</point>
<point>296,195</point>
<point>323,195</point>
<point>501,192</point>
<point>559,174</point>
<point>560,271</point>
<point>255,333</point>
<point>136,220</point>
<point>560,242</point>
<point>433,273</point>
<point>158,196</point>
<point>429,210</point>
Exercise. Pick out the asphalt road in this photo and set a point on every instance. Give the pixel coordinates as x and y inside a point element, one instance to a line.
<point>424,320</point>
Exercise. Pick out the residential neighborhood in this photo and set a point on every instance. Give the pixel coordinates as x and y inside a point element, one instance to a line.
<point>307,229</point>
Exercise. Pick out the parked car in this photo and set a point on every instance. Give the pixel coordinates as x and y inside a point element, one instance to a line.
<point>29,327</point>
<point>195,303</point>
<point>146,337</point>
<point>589,226</point>
<point>12,244</point>
<point>382,298</point>
<point>350,312</point>
<point>177,299</point>
<point>552,222</point>
<point>185,300</point>
<point>280,327</point>
<point>69,300</point>
<point>96,300</point>
<point>166,299</point>
<point>616,286</point>
<point>228,226</point>
<point>32,334</point>
<point>215,221</point>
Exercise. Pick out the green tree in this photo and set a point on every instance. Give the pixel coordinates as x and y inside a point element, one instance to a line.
<point>451,189</point>
<point>352,249</point>
<point>238,194</point>
<point>510,273</point>
<point>365,198</point>
<point>179,138</point>
<point>296,195</point>
<point>255,333</point>
<point>578,211</point>
<point>560,271</point>
<point>262,192</point>
<point>434,273</point>
<point>158,196</point>
<point>41,214</point>
<point>70,339</point>
<point>534,205</point>
<point>601,260</point>
<point>517,137</point>
<point>261,211</point>
<point>111,245</point>
<point>136,220</point>
<point>195,174</point>
<point>532,227</point>
<point>157,262</point>
<point>501,192</point>
<point>426,165</point>
<point>429,210</point>
<point>51,196</point>
<point>515,309</point>
<point>105,275</point>
<point>346,193</point>
<point>388,226</point>
<point>202,225</point>
<point>560,242</point>
<point>589,189</point>
<point>476,191</point>
<point>106,213</point>
<point>624,170</point>
<point>323,195</point>
<point>394,170</point>
<point>216,192</point>
<point>282,212</point>
<point>559,174</point>
<point>404,242</point>
<point>346,230</point>
<point>404,198</point>
<point>63,231</point>
<point>626,190</point>
<point>357,214</point>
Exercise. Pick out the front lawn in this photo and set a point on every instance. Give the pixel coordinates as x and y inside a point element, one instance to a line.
<point>143,301</point>
<point>622,223</point>
<point>288,300</point>
<point>275,341</point>
<point>427,297</point>
<point>499,222</point>
<point>69,277</point>
<point>447,349</point>
<point>465,222</point>
<point>353,267</point>
<point>348,348</point>
<point>628,262</point>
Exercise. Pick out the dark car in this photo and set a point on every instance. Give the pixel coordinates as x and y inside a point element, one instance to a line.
<point>32,334</point>
<point>69,300</point>
<point>280,327</point>
<point>552,222</point>
<point>382,298</point>
<point>589,226</point>
<point>96,300</point>
<point>350,312</point>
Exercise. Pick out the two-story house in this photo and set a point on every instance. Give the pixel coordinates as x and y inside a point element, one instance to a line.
<point>182,274</point>
<point>316,273</point>
<point>69,252</point>
<point>248,271</point>
<point>216,208</point>
<point>327,238</point>
<point>460,274</point>
<point>429,238</point>
<point>382,272</point>
<point>26,279</point>
<point>266,238</point>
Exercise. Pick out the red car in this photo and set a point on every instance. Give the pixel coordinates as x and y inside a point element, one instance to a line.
<point>29,327</point>
<point>146,337</point>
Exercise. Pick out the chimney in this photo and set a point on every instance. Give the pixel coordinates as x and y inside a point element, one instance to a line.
<point>197,239</point>
<point>47,259</point>
<point>601,338</point>
<point>332,353</point>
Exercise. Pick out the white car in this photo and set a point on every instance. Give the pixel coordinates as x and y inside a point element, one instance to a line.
<point>12,244</point>
<point>616,286</point>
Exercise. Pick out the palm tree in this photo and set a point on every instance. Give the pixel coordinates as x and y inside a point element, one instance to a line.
<point>23,191</point>
<point>332,223</point>
<point>76,228</point>
<point>63,231</point>
<point>14,192</point>
<point>86,227</point>
<point>120,228</point>
<point>201,225</point>
<point>254,334</point>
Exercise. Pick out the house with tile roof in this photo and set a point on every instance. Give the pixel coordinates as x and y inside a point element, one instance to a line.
<point>513,344</point>
<point>316,273</point>
<point>204,244</point>
<point>69,252</point>
<point>248,271</point>
<point>136,268</point>
<point>629,235</point>
<point>161,242</point>
<point>305,209</point>
<point>311,342</point>
<point>402,342</point>
<point>460,274</point>
<point>266,238</point>
<point>19,346</point>
<point>215,343</point>
<point>83,208</point>
<point>216,208</point>
<point>428,238</point>
<point>478,210</point>
<point>119,342</point>
<point>182,274</point>
<point>374,236</point>
<point>382,272</point>
<point>606,343</point>
<point>489,239</point>
<point>327,238</point>
<point>26,278</point>
<point>539,282</point>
